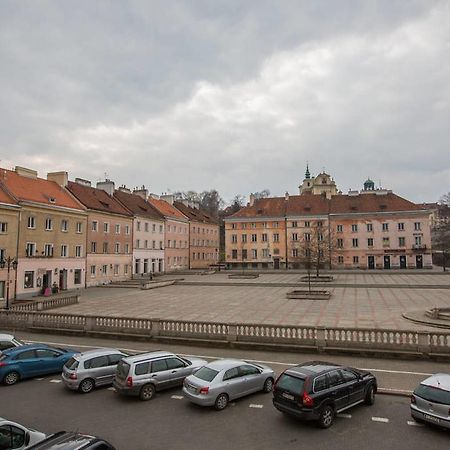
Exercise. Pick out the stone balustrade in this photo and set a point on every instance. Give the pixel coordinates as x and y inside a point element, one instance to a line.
<point>48,303</point>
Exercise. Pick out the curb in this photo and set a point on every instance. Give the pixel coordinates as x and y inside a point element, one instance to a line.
<point>394,392</point>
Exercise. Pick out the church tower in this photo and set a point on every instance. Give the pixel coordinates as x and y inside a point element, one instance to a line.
<point>321,184</point>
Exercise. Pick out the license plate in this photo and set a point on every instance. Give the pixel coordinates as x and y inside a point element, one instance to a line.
<point>192,388</point>
<point>288,396</point>
<point>432,418</point>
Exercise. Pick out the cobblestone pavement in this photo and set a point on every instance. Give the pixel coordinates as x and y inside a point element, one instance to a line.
<point>348,307</point>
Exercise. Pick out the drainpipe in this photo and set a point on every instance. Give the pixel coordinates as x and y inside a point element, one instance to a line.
<point>17,253</point>
<point>286,241</point>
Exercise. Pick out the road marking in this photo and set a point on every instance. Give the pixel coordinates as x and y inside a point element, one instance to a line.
<point>405,391</point>
<point>380,419</point>
<point>177,397</point>
<point>252,405</point>
<point>414,424</point>
<point>344,416</point>
<point>38,379</point>
<point>400,372</point>
<point>55,381</point>
<point>111,389</point>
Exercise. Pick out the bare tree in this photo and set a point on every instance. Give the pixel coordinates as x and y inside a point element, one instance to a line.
<point>261,194</point>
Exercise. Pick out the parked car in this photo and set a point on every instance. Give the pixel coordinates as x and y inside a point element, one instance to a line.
<point>16,436</point>
<point>318,390</point>
<point>144,374</point>
<point>8,341</point>
<point>430,402</point>
<point>90,369</point>
<point>227,379</point>
<point>31,360</point>
<point>69,440</point>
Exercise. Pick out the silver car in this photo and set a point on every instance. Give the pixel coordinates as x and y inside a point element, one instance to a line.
<point>90,369</point>
<point>227,379</point>
<point>9,341</point>
<point>144,374</point>
<point>16,436</point>
<point>430,402</point>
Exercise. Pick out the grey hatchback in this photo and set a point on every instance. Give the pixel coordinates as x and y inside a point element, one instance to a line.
<point>430,402</point>
<point>85,371</point>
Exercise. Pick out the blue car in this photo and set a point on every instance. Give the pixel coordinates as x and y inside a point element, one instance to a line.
<point>31,360</point>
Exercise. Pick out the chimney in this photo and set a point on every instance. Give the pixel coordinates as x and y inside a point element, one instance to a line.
<point>169,198</point>
<point>143,193</point>
<point>286,196</point>
<point>107,186</point>
<point>24,172</point>
<point>252,200</point>
<point>83,182</point>
<point>61,178</point>
<point>123,188</point>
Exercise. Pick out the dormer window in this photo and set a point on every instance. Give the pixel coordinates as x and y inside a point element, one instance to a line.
<point>52,200</point>
<point>324,181</point>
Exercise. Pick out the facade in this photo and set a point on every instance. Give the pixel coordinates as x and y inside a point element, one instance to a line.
<point>203,235</point>
<point>51,233</point>
<point>176,233</point>
<point>109,237</point>
<point>322,184</point>
<point>148,231</point>
<point>371,229</point>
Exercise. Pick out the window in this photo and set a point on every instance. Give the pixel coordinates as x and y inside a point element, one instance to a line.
<point>116,269</point>
<point>307,236</point>
<point>77,276</point>
<point>161,245</point>
<point>48,250</point>
<point>340,243</point>
<point>385,227</point>
<point>401,226</point>
<point>348,376</point>
<point>254,253</point>
<point>127,249</point>
<point>264,237</point>
<point>244,238</point>
<point>28,281</point>
<point>105,247</point>
<point>417,226</point>
<point>142,368</point>
<point>264,225</point>
<point>2,296</point>
<point>174,363</point>
<point>354,242</point>
<point>294,236</point>
<point>114,359</point>
<point>95,363</point>
<point>370,242</point>
<point>46,353</point>
<point>254,237</point>
<point>231,373</point>
<point>385,242</point>
<point>340,259</point>
<point>11,437</point>
<point>105,269</point>
<point>354,228</point>
<point>30,249</point>
<point>334,378</point>
<point>355,259</point>
<point>64,225</point>
<point>117,228</point>
<point>117,247</point>
<point>295,252</point>
<point>234,238</point>
<point>31,222</point>
<point>2,254</point>
<point>94,225</point>
<point>320,237</point>
<point>48,224</point>
<point>244,253</point>
<point>106,227</point>
<point>401,241</point>
<point>93,247</point>
<point>276,251</point>
<point>64,252</point>
<point>78,251</point>
<point>153,228</point>
<point>247,369</point>
<point>159,366</point>
<point>253,226</point>
<point>244,226</point>
<point>127,229</point>
<point>153,244</point>
<point>369,227</point>
<point>339,228</point>
<point>92,271</point>
<point>418,240</point>
<point>276,237</point>
<point>125,269</point>
<point>3,227</point>
<point>294,224</point>
<point>265,253</point>
<point>275,224</point>
<point>233,226</point>
<point>319,224</point>
<point>79,227</point>
<point>320,383</point>
<point>138,226</point>
<point>307,224</point>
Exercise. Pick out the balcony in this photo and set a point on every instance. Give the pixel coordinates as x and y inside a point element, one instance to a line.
<point>419,247</point>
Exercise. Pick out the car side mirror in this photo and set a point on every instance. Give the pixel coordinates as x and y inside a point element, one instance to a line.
<point>27,438</point>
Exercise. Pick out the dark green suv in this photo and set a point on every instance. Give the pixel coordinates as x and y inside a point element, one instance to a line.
<point>319,390</point>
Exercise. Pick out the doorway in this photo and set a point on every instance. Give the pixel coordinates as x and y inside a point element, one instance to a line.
<point>387,262</point>
<point>63,280</point>
<point>371,262</point>
<point>402,261</point>
<point>276,263</point>
<point>419,262</point>
<point>137,266</point>
<point>47,279</point>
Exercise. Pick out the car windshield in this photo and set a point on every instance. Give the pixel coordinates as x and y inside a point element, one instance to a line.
<point>433,394</point>
<point>189,363</point>
<point>206,374</point>
<point>291,384</point>
<point>18,341</point>
<point>72,364</point>
<point>122,369</point>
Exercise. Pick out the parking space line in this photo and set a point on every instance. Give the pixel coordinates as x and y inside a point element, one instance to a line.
<point>252,405</point>
<point>38,379</point>
<point>177,397</point>
<point>111,389</point>
<point>55,381</point>
<point>412,423</point>
<point>380,419</point>
<point>344,416</point>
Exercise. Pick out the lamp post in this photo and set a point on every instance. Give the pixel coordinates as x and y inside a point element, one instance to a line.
<point>8,263</point>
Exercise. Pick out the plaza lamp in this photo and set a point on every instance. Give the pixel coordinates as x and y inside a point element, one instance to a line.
<point>8,263</point>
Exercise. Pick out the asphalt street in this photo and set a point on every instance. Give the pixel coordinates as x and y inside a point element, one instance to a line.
<point>171,422</point>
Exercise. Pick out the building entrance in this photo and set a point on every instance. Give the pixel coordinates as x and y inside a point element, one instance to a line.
<point>419,262</point>
<point>402,261</point>
<point>371,262</point>
<point>387,262</point>
<point>276,263</point>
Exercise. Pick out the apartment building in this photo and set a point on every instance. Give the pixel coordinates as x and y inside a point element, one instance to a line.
<point>203,235</point>
<point>109,237</point>
<point>148,231</point>
<point>176,236</point>
<point>51,232</point>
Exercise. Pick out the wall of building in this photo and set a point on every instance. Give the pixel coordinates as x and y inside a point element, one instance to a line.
<point>204,244</point>
<point>108,268</point>
<point>176,250</point>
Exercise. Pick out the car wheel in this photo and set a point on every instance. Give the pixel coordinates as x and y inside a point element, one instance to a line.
<point>147,392</point>
<point>268,385</point>
<point>86,386</point>
<point>326,417</point>
<point>369,399</point>
<point>221,402</point>
<point>11,378</point>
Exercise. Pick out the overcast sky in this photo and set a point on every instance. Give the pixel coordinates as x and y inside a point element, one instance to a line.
<point>232,95</point>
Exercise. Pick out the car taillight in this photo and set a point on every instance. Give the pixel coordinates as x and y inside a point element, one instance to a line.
<point>204,390</point>
<point>307,400</point>
<point>130,381</point>
<point>3,364</point>
<point>413,399</point>
<point>73,376</point>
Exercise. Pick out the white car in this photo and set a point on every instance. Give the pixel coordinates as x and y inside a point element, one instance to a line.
<point>8,341</point>
<point>16,436</point>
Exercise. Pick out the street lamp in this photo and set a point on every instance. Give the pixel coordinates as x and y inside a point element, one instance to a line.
<point>8,263</point>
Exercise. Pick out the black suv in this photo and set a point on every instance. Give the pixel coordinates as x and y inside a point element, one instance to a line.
<point>68,440</point>
<point>318,390</point>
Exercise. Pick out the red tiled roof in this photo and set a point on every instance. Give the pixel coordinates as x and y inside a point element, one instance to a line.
<point>5,197</point>
<point>305,205</point>
<point>37,190</point>
<point>195,214</point>
<point>264,207</point>
<point>138,205</point>
<point>96,199</point>
<point>166,209</point>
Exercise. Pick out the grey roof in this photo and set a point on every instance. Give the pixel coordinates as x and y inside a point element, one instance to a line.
<point>438,380</point>
<point>146,356</point>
